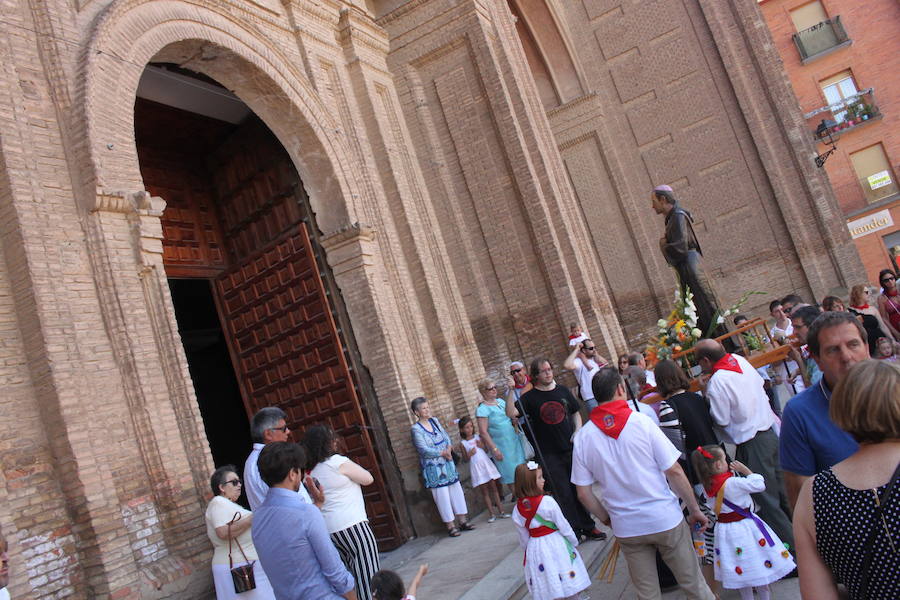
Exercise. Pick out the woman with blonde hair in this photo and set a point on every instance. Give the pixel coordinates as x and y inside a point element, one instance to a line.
<point>871,318</point>
<point>497,432</point>
<point>847,518</point>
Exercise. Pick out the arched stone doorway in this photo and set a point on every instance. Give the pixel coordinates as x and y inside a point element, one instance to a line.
<point>126,38</point>
<point>258,311</point>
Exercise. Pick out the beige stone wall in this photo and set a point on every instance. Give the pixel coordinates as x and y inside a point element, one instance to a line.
<point>466,225</point>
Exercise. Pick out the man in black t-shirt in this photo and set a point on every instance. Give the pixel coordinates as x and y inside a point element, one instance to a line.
<point>553,415</point>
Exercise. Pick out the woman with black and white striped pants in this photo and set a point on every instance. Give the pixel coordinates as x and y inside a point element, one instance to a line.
<point>344,510</point>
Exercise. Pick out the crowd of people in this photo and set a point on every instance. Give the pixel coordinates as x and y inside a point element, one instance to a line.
<point>761,473</point>
<point>699,486</point>
<point>722,487</point>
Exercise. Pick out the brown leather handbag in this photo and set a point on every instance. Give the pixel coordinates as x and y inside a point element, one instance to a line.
<point>242,576</point>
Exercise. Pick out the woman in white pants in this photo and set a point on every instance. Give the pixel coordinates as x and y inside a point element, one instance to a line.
<point>222,509</point>
<point>433,445</point>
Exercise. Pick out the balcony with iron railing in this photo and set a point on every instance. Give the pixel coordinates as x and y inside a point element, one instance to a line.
<point>820,39</point>
<point>840,117</point>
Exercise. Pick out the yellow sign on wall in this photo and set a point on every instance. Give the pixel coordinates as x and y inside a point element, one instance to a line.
<point>879,179</point>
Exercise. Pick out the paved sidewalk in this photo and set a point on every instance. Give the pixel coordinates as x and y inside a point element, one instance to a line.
<point>485,564</point>
<point>621,588</point>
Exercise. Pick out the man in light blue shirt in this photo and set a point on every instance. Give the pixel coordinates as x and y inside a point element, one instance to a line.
<point>290,535</point>
<point>268,426</point>
<point>810,441</point>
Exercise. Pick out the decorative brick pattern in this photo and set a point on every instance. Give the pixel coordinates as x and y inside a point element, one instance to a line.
<point>465,226</point>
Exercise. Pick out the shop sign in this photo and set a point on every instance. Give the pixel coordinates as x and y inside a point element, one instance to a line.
<point>879,179</point>
<point>870,223</point>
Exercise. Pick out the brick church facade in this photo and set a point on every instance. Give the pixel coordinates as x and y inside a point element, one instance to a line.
<point>335,206</point>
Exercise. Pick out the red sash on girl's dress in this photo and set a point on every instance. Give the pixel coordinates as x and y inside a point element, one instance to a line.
<point>528,507</point>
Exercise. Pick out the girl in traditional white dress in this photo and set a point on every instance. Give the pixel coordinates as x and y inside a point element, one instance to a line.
<point>553,567</point>
<point>748,554</point>
<point>482,469</point>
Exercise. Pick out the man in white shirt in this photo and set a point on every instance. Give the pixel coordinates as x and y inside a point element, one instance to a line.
<point>583,362</point>
<point>268,426</point>
<point>634,464</point>
<point>4,568</point>
<point>740,408</point>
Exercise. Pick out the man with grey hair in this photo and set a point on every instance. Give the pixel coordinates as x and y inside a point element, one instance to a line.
<point>269,425</point>
<point>739,406</point>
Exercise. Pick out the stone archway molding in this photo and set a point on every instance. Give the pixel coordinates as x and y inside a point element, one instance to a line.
<point>268,78</point>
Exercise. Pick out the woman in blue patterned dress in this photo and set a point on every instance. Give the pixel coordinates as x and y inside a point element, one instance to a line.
<point>500,437</point>
<point>433,445</point>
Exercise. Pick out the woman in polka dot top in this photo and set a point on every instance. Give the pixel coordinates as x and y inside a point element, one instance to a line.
<point>847,518</point>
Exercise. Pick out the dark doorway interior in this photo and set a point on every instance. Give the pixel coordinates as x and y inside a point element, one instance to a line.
<point>215,385</point>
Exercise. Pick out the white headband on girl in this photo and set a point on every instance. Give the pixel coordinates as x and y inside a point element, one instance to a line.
<point>531,465</point>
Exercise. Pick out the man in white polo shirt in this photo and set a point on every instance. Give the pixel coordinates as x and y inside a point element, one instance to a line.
<point>635,465</point>
<point>739,406</point>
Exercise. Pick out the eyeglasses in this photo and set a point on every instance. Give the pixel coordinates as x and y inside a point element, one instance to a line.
<point>515,370</point>
<point>493,387</point>
<point>234,482</point>
<point>282,429</point>
<point>588,347</point>
<point>888,278</point>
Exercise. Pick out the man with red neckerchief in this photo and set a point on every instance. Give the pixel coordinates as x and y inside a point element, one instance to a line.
<point>740,408</point>
<point>637,470</point>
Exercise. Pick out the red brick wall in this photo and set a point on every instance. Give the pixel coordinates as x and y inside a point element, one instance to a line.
<point>874,28</point>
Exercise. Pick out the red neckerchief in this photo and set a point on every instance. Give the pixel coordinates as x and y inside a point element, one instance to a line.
<point>716,482</point>
<point>863,307</point>
<point>528,507</point>
<point>892,292</point>
<point>727,363</point>
<point>611,417</point>
<point>527,381</point>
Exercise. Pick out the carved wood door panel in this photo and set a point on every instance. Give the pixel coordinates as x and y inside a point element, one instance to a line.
<point>287,353</point>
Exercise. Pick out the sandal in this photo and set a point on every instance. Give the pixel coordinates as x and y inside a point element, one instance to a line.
<point>453,532</point>
<point>466,526</point>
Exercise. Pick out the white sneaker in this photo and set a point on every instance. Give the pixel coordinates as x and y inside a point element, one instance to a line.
<point>492,519</point>
<point>504,515</point>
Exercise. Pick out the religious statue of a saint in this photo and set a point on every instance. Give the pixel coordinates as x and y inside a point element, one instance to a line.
<point>682,251</point>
